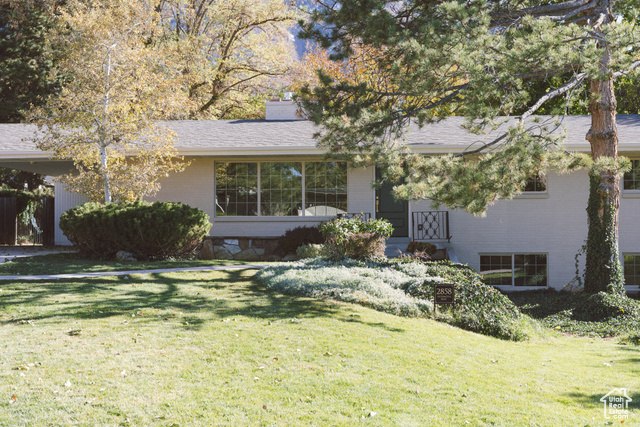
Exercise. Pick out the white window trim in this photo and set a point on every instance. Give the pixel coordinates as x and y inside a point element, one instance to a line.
<point>629,193</point>
<point>536,194</point>
<point>622,263</point>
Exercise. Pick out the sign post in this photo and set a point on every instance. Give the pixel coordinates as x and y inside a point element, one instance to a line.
<point>443,294</point>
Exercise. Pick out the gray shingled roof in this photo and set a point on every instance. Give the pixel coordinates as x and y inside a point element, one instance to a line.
<point>246,137</point>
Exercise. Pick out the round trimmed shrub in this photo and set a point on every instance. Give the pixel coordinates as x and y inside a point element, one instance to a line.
<point>158,230</point>
<point>355,238</point>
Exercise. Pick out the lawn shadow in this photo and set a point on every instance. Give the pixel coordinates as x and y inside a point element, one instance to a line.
<point>290,306</point>
<point>228,293</point>
<point>543,303</point>
<point>592,401</point>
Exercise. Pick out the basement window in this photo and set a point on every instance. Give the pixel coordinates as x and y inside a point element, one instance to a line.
<point>516,269</point>
<point>631,269</point>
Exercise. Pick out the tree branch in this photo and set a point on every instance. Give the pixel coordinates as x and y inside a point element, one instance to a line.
<point>575,81</point>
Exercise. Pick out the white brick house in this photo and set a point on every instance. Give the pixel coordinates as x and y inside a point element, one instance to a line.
<point>259,178</point>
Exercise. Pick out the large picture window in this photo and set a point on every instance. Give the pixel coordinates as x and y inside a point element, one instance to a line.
<point>281,189</point>
<point>514,269</point>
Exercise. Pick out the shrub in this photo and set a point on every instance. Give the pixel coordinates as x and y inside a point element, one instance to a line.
<point>478,307</point>
<point>421,247</point>
<point>313,251</point>
<point>148,231</point>
<point>355,238</point>
<point>293,239</point>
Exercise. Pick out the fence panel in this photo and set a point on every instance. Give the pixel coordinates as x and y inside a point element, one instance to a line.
<point>8,221</point>
<point>48,221</point>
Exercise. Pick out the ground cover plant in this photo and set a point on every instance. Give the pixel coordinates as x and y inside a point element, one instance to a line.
<point>215,348</point>
<point>403,287</point>
<point>581,313</point>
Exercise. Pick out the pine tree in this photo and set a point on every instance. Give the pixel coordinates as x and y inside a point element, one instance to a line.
<point>482,60</point>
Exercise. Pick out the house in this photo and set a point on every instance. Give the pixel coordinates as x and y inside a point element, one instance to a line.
<point>258,178</point>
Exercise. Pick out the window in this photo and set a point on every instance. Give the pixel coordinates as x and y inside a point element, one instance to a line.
<point>280,188</point>
<point>632,270</point>
<point>276,188</point>
<point>514,269</point>
<point>536,183</point>
<point>631,179</point>
<point>325,188</point>
<point>236,189</point>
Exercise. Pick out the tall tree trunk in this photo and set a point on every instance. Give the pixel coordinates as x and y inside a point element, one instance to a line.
<point>603,271</point>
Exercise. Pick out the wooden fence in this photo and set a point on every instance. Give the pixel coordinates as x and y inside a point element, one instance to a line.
<point>38,230</point>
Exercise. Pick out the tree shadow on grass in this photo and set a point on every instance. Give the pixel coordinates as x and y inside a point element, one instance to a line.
<point>592,401</point>
<point>223,294</point>
<point>543,303</point>
<point>228,293</point>
<point>291,306</point>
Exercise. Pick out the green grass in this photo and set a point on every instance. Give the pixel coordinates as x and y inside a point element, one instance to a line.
<point>68,263</point>
<point>214,348</point>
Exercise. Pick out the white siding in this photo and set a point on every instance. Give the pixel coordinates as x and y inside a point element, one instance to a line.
<point>64,201</point>
<point>193,186</point>
<point>361,197</point>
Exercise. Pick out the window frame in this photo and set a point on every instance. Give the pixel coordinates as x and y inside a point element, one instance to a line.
<point>303,202</point>
<point>624,267</point>
<point>536,194</point>
<point>512,256</point>
<point>538,179</point>
<point>631,192</point>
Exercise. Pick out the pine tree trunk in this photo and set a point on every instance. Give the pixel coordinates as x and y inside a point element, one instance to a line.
<point>603,270</point>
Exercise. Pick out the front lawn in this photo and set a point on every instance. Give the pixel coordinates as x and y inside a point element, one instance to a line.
<point>214,348</point>
<point>71,262</point>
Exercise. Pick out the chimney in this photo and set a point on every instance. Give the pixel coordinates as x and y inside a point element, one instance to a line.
<point>283,109</point>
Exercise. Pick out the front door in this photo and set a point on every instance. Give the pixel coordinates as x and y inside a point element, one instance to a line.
<point>394,211</point>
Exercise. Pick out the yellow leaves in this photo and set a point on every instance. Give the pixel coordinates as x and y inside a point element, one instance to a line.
<point>104,118</point>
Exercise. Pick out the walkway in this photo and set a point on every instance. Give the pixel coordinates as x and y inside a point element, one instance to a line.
<point>10,252</point>
<point>127,272</point>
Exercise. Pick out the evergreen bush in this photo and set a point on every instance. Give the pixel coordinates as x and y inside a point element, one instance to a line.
<point>294,238</point>
<point>158,230</point>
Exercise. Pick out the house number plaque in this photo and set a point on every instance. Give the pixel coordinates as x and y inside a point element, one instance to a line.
<point>444,293</point>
